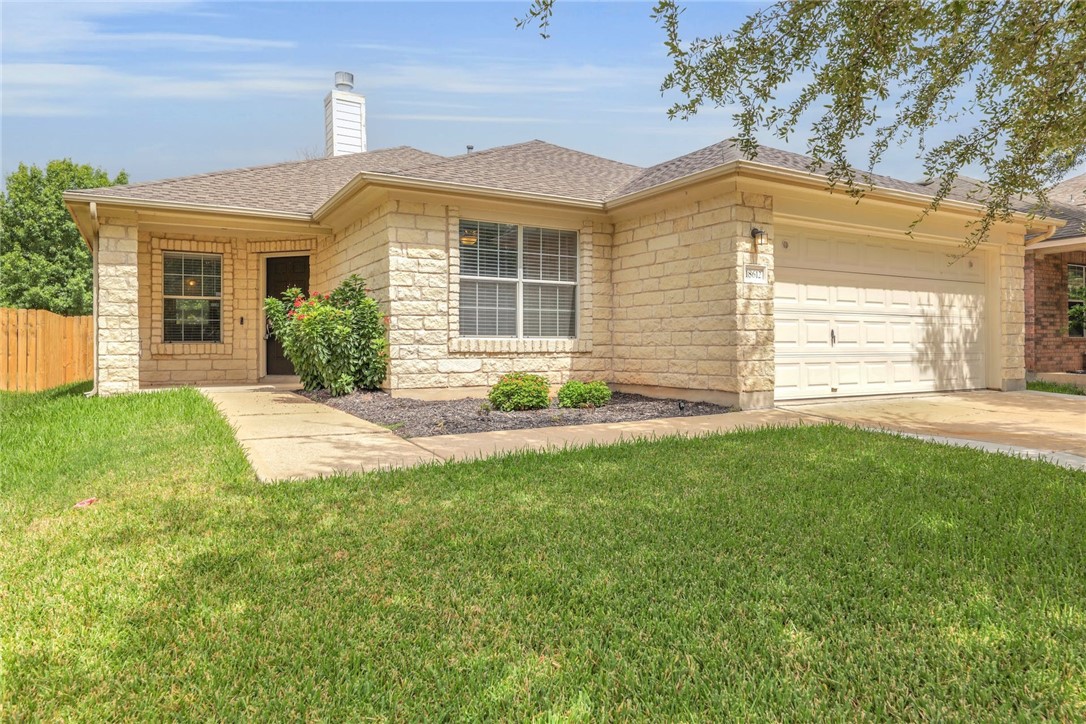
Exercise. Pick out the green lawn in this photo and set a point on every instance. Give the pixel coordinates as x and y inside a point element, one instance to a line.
<point>1060,387</point>
<point>784,574</point>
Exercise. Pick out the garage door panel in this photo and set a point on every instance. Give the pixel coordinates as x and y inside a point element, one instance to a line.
<point>813,250</point>
<point>876,324</point>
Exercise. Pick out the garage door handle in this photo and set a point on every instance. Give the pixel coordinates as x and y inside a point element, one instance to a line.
<point>833,338</point>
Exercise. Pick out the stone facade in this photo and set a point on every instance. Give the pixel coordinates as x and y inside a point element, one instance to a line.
<point>663,305</point>
<point>683,319</point>
<point>1012,310</point>
<point>425,348</point>
<point>117,334</point>
<point>236,359</point>
<point>1048,348</point>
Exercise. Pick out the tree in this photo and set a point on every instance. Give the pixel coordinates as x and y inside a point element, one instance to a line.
<point>1008,75</point>
<point>44,262</point>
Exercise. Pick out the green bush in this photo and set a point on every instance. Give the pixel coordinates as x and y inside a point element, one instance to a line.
<point>584,394</point>
<point>520,391</point>
<point>335,341</point>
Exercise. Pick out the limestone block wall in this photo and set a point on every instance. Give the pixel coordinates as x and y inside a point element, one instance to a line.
<point>117,334</point>
<point>236,359</point>
<point>427,354</point>
<point>360,248</point>
<point>682,317</point>
<point>1048,346</point>
<point>1012,311</point>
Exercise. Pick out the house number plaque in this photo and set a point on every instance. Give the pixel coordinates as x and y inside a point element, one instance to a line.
<point>755,274</point>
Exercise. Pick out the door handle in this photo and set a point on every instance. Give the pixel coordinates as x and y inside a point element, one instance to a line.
<point>833,338</point>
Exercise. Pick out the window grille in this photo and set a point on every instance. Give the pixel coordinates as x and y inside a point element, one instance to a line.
<point>192,297</point>
<point>517,281</point>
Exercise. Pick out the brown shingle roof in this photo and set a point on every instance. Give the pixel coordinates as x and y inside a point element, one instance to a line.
<point>533,167</point>
<point>1072,191</point>
<point>296,186</point>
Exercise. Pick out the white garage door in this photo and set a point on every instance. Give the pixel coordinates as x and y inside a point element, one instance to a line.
<point>857,316</point>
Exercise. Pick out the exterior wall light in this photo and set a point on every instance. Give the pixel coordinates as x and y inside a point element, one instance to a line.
<point>759,236</point>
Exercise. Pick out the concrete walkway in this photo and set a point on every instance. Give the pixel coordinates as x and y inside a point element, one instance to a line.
<point>1033,424</point>
<point>286,436</point>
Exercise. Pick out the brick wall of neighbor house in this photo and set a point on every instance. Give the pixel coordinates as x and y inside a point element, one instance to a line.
<point>427,354</point>
<point>234,360</point>
<point>682,317</point>
<point>117,331</point>
<point>1048,347</point>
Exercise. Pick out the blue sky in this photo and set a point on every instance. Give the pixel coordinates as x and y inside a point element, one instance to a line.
<point>168,89</point>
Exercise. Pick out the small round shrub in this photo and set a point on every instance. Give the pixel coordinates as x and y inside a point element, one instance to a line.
<point>584,394</point>
<point>520,391</point>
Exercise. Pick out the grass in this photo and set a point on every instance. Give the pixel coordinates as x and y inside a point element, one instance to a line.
<point>1062,388</point>
<point>821,573</point>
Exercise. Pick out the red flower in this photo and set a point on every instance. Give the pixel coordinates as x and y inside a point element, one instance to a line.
<point>298,302</point>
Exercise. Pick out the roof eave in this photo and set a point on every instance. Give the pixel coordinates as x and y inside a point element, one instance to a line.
<point>1057,246</point>
<point>672,185</point>
<point>138,203</point>
<point>885,192</point>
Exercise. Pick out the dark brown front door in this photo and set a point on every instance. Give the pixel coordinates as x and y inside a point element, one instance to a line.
<point>284,272</point>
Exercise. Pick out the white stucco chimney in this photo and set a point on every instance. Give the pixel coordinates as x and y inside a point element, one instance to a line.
<point>344,118</point>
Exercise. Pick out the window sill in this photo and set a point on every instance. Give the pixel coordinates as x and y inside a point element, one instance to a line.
<point>191,349</point>
<point>481,345</point>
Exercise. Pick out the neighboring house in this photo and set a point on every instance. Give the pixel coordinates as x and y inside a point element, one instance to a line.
<point>1055,274</point>
<point>709,276</point>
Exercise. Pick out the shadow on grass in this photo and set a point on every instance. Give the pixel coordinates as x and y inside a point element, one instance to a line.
<point>12,401</point>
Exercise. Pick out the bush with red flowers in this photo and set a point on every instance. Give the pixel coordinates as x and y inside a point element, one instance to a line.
<point>335,341</point>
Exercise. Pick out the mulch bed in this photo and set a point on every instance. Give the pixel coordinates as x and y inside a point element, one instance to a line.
<point>417,418</point>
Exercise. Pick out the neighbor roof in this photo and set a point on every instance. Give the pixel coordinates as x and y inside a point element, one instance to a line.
<point>1075,216</point>
<point>1072,191</point>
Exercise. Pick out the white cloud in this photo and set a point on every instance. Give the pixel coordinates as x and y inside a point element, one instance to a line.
<point>72,89</point>
<point>55,28</point>
<point>500,78</point>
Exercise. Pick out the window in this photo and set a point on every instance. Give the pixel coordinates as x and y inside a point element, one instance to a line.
<point>517,281</point>
<point>1076,299</point>
<point>192,297</point>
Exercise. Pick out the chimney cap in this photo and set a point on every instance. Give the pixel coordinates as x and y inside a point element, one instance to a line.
<point>344,80</point>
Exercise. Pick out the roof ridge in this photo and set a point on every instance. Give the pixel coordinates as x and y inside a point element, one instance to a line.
<point>259,167</point>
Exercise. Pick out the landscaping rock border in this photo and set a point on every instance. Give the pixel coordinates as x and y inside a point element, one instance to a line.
<point>418,418</point>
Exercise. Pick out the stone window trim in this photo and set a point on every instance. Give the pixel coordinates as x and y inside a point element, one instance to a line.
<point>180,350</point>
<point>582,344</point>
<point>1076,276</point>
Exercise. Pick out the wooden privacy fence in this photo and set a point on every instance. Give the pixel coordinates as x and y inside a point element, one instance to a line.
<point>39,349</point>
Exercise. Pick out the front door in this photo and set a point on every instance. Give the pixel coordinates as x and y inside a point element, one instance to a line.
<point>283,272</point>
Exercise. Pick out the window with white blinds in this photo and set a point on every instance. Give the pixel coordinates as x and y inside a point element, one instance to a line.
<point>517,281</point>
<point>192,297</point>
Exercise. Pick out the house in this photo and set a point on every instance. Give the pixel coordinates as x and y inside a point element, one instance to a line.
<point>1055,273</point>
<point>710,276</point>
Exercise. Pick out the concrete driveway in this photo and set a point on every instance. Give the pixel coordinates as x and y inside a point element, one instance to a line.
<point>1037,423</point>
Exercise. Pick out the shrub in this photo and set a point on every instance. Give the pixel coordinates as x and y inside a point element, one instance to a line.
<point>335,341</point>
<point>584,394</point>
<point>520,391</point>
